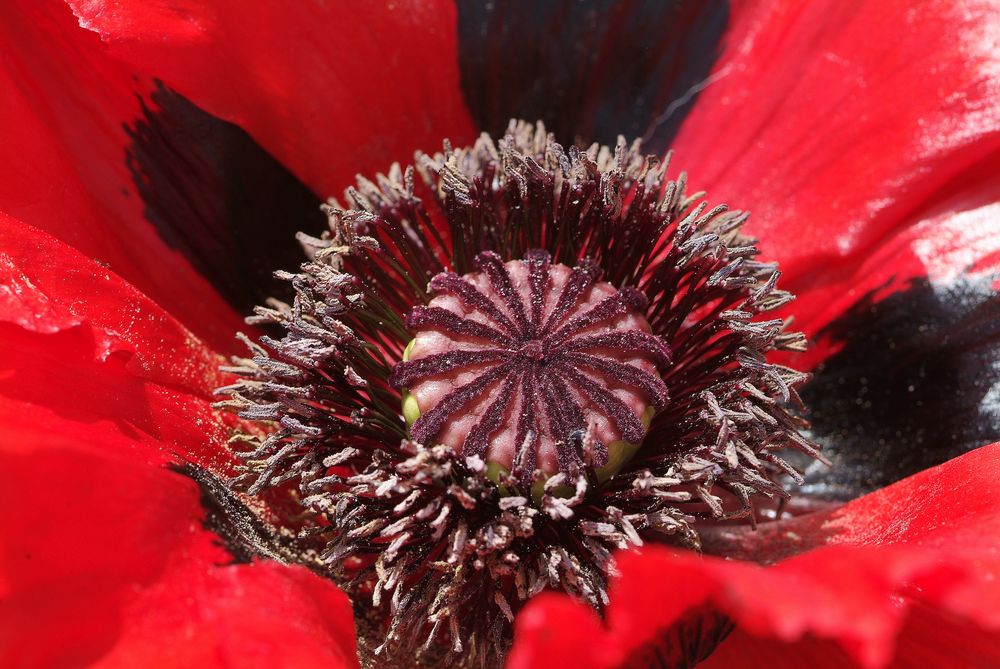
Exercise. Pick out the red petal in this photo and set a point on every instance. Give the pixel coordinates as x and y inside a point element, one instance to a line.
<point>555,631</point>
<point>957,237</point>
<point>929,638</point>
<point>63,164</point>
<point>930,538</point>
<point>331,89</point>
<point>77,341</point>
<point>106,559</point>
<point>260,615</point>
<point>836,124</point>
<point>107,563</point>
<point>48,287</point>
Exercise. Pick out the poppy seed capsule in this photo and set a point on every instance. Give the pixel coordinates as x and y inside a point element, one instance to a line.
<point>533,366</point>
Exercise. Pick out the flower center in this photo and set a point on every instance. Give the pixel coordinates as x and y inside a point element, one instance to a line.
<point>533,365</point>
<point>616,295</point>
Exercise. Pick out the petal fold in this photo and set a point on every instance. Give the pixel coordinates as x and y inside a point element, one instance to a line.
<point>107,564</point>
<point>76,341</point>
<point>47,287</point>
<point>929,638</point>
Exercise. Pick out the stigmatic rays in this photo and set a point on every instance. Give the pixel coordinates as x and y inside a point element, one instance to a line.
<point>532,366</point>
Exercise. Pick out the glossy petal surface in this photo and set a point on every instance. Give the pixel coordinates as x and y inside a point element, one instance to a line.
<point>46,287</point>
<point>927,296</point>
<point>837,124</point>
<point>862,139</point>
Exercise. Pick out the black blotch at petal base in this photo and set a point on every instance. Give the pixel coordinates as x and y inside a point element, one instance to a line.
<point>238,529</point>
<point>219,198</point>
<point>590,70</point>
<point>916,383</point>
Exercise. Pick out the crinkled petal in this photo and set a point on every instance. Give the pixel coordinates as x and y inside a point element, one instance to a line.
<point>258,615</point>
<point>46,287</point>
<point>931,538</point>
<point>79,342</point>
<point>331,89</point>
<point>929,638</point>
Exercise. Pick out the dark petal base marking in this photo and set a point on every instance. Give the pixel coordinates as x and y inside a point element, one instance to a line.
<point>439,553</point>
<point>689,641</point>
<point>243,534</point>
<point>215,195</point>
<point>884,417</point>
<point>597,68</point>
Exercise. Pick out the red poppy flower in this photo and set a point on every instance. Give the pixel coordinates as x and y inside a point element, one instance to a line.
<point>158,159</point>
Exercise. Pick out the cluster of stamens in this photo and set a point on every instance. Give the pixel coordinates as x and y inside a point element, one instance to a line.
<point>550,299</point>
